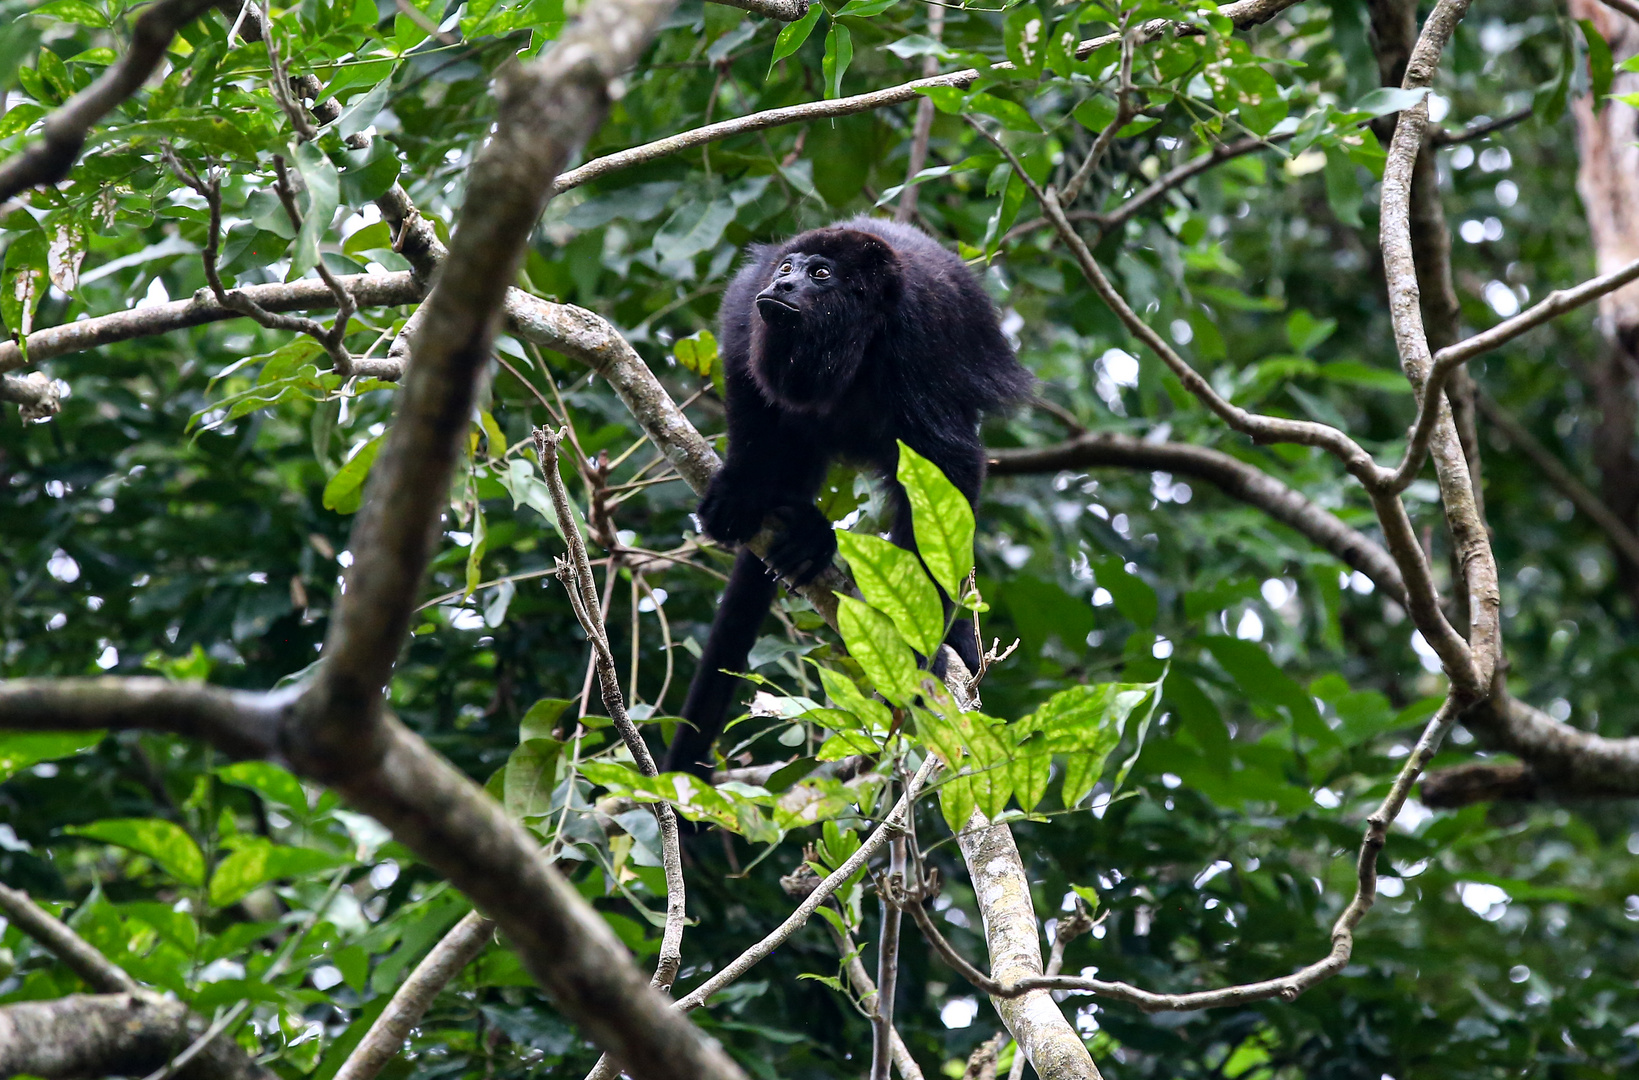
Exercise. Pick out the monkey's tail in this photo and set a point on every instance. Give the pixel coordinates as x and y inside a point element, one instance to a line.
<point>745,601</point>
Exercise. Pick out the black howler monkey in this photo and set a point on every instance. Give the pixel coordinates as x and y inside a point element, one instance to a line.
<point>835,344</point>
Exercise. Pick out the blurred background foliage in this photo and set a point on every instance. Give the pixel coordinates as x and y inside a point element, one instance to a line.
<point>185,515</point>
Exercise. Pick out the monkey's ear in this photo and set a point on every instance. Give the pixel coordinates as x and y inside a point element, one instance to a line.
<point>877,259</point>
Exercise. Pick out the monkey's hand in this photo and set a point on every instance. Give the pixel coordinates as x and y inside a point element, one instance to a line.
<point>805,544</point>
<point>733,509</point>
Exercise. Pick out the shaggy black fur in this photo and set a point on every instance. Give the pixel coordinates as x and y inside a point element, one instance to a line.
<point>835,344</point>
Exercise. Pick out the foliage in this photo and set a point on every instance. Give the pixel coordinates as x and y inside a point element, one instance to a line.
<point>1203,707</point>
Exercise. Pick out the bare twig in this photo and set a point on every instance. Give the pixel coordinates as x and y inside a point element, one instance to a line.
<point>873,843</point>
<point>865,989</point>
<point>1287,988</point>
<point>887,962</point>
<point>49,159</point>
<point>1475,132</point>
<point>576,574</point>
<point>1244,14</point>
<point>1124,112</point>
<point>1447,360</point>
<point>308,294</point>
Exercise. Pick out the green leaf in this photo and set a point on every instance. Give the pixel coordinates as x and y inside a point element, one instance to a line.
<point>839,53</point>
<point>532,772</point>
<point>873,641</point>
<point>345,491</point>
<point>1024,34</point>
<point>1010,115</point>
<point>323,196</point>
<point>850,699</point>
<point>260,862</point>
<point>697,352</point>
<point>542,719</point>
<point>1306,332</point>
<point>1132,595</point>
<point>165,842</point>
<point>269,781</point>
<point>19,750</point>
<point>793,35</point>
<point>364,110</point>
<point>1356,373</point>
<point>73,11</point>
<point>941,518</point>
<point>1258,677</point>
<point>864,9</point>
<point>1388,99</point>
<point>893,582</point>
<point>1600,67</point>
<point>696,226</point>
<point>1343,191</point>
<point>1083,724</point>
<point>475,552</point>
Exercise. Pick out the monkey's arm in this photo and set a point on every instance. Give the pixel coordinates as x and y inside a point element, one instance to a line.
<point>774,469</point>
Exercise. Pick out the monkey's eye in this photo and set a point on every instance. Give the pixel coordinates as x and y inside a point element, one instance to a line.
<point>785,268</point>
<point>822,273</point>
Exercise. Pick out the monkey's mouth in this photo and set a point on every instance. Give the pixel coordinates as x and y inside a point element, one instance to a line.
<point>772,307</point>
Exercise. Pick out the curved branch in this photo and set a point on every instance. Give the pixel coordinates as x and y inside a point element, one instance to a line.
<point>1235,478</point>
<point>49,158</point>
<point>240,723</point>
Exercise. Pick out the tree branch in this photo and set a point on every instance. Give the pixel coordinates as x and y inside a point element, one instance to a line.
<point>1235,478</point>
<point>55,937</point>
<point>782,10</point>
<point>865,989</point>
<point>96,1035</point>
<point>36,395</point>
<point>1244,14</point>
<point>239,723</point>
<point>49,158</point>
<point>1471,674</point>
<point>1475,132</point>
<point>308,294</point>
<point>410,1002</point>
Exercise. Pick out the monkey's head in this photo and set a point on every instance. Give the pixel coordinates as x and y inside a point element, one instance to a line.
<point>829,294</point>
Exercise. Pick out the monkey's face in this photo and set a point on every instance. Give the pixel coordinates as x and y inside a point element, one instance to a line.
<point>801,287</point>
<point>826,300</point>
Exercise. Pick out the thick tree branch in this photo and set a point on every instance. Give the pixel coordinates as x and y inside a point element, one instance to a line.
<point>241,724</point>
<point>1233,477</point>
<point>1032,1017</point>
<point>48,159</point>
<point>95,1035</point>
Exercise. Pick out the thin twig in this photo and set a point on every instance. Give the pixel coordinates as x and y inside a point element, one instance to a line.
<point>1474,132</point>
<point>866,990</point>
<point>576,574</point>
<point>1123,115</point>
<point>887,962</point>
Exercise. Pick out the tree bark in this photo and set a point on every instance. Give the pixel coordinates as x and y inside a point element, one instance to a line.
<point>1608,181</point>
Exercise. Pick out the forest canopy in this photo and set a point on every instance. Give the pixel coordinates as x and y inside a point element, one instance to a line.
<point>361,376</point>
